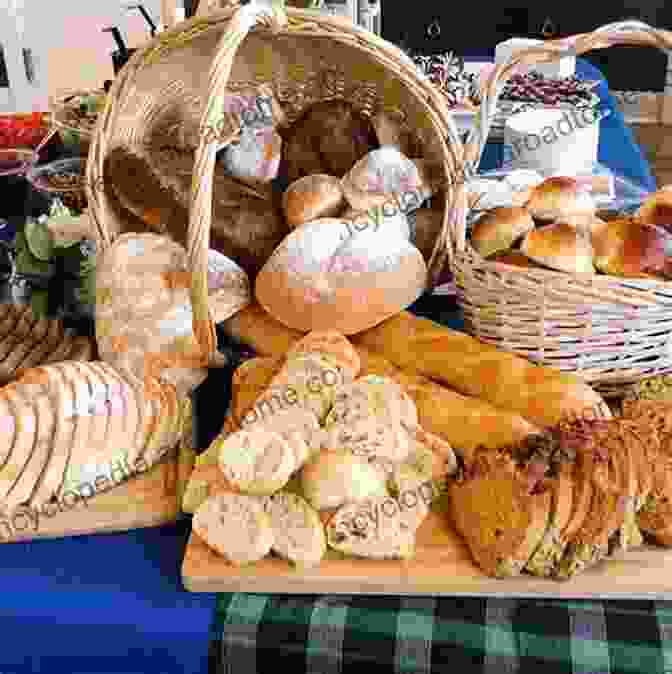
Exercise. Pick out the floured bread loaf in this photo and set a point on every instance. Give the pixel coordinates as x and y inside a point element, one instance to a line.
<point>324,277</point>
<point>144,321</point>
<point>235,526</point>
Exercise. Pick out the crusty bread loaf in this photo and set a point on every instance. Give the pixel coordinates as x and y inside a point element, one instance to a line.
<point>463,421</point>
<point>540,394</point>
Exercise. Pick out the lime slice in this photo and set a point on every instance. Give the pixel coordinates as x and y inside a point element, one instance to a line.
<point>39,240</point>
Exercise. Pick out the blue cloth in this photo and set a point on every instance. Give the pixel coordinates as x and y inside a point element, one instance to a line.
<point>105,604</point>
<point>617,149</point>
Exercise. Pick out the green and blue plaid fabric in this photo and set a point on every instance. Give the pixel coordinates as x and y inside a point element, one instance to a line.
<point>267,634</point>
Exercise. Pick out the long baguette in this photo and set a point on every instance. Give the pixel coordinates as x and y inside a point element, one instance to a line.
<point>542,395</point>
<point>463,422</point>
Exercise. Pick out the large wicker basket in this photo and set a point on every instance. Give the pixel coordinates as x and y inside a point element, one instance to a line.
<point>305,57</point>
<point>610,331</point>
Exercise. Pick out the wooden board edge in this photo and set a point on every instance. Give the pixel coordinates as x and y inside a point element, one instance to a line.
<point>147,500</point>
<point>588,586</point>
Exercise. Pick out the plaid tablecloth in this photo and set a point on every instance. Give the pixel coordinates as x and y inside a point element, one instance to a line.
<point>267,634</point>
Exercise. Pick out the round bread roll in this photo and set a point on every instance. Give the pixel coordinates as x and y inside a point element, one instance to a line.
<point>329,138</point>
<point>559,197</point>
<point>256,461</point>
<point>385,176</point>
<point>514,258</point>
<point>334,478</point>
<point>560,246</point>
<point>322,278</point>
<point>629,248</point>
<point>235,526</point>
<point>657,209</point>
<point>312,197</point>
<point>499,229</point>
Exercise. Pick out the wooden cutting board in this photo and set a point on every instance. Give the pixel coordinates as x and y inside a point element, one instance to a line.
<point>147,500</point>
<point>442,567</point>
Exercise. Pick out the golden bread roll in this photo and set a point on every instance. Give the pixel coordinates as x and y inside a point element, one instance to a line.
<point>312,197</point>
<point>657,209</point>
<point>632,249</point>
<point>498,229</point>
<point>559,197</point>
<point>542,395</point>
<point>560,246</point>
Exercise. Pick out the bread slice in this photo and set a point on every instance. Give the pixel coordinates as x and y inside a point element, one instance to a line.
<point>610,480</point>
<point>235,526</point>
<point>549,552</point>
<point>256,461</point>
<point>494,510</point>
<point>374,528</point>
<point>298,532</point>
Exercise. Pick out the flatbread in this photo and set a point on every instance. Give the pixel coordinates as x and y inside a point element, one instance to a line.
<point>28,481</point>
<point>56,381</point>
<point>26,434</point>
<point>21,331</point>
<point>42,350</point>
<point>61,352</point>
<point>22,349</point>
<point>11,318</point>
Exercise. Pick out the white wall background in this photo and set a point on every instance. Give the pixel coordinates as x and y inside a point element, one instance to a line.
<point>69,49</point>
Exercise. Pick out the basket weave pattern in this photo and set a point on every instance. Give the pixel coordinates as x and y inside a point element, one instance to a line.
<point>610,331</point>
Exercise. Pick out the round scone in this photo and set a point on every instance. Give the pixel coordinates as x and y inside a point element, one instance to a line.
<point>312,197</point>
<point>298,427</point>
<point>334,478</point>
<point>235,526</point>
<point>256,461</point>
<point>297,529</point>
<point>382,175</point>
<point>322,278</point>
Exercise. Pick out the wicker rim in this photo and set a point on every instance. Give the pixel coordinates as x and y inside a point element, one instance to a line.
<point>239,21</point>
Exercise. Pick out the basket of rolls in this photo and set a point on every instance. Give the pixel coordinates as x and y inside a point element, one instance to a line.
<point>301,147</point>
<point>552,277</point>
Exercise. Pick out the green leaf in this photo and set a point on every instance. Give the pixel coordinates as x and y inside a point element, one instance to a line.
<point>39,302</point>
<point>26,263</point>
<point>39,240</point>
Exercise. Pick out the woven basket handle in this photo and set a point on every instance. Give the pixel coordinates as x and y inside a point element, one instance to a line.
<point>242,21</point>
<point>621,32</point>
